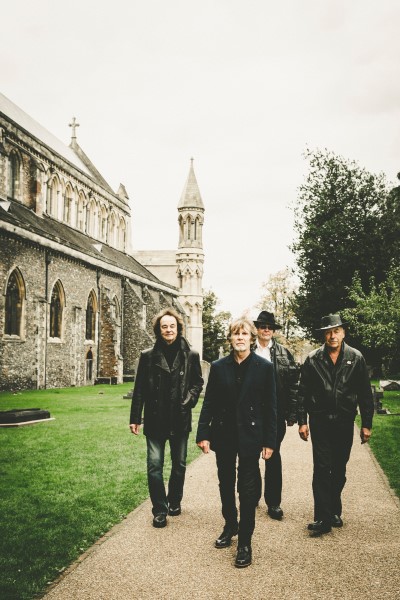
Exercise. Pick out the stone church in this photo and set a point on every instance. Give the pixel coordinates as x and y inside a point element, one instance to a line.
<point>77,305</point>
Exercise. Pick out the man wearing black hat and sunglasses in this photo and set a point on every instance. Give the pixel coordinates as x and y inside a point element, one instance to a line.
<point>286,378</point>
<point>334,383</point>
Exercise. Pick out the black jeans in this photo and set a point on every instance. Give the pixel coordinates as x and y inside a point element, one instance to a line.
<point>155,465</point>
<point>332,440</point>
<point>273,471</point>
<point>248,487</point>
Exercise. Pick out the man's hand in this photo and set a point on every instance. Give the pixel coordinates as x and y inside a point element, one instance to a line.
<point>266,453</point>
<point>365,435</point>
<point>303,432</point>
<point>135,429</point>
<point>204,445</point>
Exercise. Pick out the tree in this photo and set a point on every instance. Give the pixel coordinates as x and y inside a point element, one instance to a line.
<point>215,327</point>
<point>375,318</point>
<point>279,293</point>
<point>337,219</point>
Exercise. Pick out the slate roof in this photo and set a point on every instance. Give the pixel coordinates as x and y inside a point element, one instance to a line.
<point>53,230</point>
<point>24,121</point>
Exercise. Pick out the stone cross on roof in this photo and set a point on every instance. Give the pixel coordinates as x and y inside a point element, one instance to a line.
<point>74,125</point>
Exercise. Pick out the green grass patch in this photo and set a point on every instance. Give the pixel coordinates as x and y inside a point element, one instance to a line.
<point>386,437</point>
<point>65,483</point>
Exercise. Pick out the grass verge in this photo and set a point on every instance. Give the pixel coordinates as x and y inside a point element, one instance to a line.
<point>65,483</point>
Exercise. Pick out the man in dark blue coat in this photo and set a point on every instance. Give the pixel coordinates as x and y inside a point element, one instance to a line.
<point>238,421</point>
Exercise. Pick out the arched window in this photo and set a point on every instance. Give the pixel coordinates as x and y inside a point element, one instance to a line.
<point>67,205</point>
<point>122,235</point>
<point>111,240</point>
<point>57,304</point>
<point>13,176</point>
<point>91,309</point>
<point>189,225</point>
<point>53,190</point>
<point>15,295</point>
<point>80,213</point>
<point>89,364</point>
<point>103,229</point>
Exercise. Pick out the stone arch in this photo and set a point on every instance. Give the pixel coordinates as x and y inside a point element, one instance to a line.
<point>14,183</point>
<point>91,312</point>
<point>53,195</point>
<point>57,306</point>
<point>15,297</point>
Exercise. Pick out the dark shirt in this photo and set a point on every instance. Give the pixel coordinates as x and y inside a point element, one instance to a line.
<point>169,408</point>
<point>240,370</point>
<point>333,369</point>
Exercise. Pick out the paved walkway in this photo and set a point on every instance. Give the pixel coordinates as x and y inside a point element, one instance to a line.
<point>361,560</point>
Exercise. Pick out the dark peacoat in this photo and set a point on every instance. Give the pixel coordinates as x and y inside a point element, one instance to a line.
<point>256,412</point>
<point>153,376</point>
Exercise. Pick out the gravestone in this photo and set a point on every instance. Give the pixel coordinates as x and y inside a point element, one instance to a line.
<point>23,416</point>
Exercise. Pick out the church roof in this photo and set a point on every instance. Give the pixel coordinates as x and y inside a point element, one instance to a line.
<point>191,197</point>
<point>19,215</point>
<point>73,153</point>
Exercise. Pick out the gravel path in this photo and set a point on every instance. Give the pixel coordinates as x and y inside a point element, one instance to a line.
<point>361,560</point>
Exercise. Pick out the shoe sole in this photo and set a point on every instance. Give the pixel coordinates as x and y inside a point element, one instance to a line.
<point>174,513</point>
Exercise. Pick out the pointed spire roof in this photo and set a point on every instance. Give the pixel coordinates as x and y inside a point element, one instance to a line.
<point>191,197</point>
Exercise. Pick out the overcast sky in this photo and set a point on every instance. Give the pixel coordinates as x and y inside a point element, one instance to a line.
<point>243,86</point>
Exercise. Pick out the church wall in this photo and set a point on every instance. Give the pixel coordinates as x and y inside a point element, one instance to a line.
<point>20,362</point>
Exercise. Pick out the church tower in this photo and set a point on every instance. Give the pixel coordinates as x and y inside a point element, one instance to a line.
<point>190,258</point>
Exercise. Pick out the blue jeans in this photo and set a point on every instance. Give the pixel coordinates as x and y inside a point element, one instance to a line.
<point>155,465</point>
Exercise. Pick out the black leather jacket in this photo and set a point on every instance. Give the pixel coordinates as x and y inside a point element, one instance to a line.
<point>320,393</point>
<point>183,382</point>
<point>287,381</point>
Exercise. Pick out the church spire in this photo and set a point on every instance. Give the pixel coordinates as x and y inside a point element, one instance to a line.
<point>191,197</point>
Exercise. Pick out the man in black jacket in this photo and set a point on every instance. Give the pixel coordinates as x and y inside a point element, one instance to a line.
<point>238,420</point>
<point>168,384</point>
<point>334,383</point>
<point>286,378</point>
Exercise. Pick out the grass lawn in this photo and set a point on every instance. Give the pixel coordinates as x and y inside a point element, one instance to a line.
<point>65,483</point>
<point>385,439</point>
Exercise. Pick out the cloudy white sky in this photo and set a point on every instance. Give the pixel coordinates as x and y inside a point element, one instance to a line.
<point>243,86</point>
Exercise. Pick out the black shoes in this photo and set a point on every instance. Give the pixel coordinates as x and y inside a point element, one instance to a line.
<point>224,540</point>
<point>275,512</point>
<point>319,527</point>
<point>337,521</point>
<point>243,557</point>
<point>160,520</point>
<point>174,511</point>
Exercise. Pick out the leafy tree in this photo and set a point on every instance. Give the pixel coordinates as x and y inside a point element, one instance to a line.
<point>215,327</point>
<point>278,298</point>
<point>375,318</point>
<point>337,219</point>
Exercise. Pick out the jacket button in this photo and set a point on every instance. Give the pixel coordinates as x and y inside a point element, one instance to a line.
<point>252,423</point>
<point>181,373</point>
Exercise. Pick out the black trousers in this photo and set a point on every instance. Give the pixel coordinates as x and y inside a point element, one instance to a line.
<point>273,470</point>
<point>332,440</point>
<point>248,487</point>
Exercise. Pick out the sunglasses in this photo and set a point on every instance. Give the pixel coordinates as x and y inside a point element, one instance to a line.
<point>266,327</point>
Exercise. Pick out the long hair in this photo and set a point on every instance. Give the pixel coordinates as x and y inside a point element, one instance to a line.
<point>170,312</point>
<point>242,323</point>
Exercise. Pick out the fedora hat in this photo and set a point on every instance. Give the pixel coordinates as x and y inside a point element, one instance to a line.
<point>267,318</point>
<point>331,321</point>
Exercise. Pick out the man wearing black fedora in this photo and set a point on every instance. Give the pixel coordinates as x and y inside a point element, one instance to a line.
<point>286,378</point>
<point>334,384</point>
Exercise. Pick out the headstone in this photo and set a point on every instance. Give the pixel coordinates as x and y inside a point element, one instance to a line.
<point>23,416</point>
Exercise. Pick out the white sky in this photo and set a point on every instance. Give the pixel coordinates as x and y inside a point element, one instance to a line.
<point>243,86</point>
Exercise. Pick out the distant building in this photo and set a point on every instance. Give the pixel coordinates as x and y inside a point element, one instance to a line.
<point>76,307</point>
<point>183,267</point>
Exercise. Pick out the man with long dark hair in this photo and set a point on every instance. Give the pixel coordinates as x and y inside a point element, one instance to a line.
<point>168,385</point>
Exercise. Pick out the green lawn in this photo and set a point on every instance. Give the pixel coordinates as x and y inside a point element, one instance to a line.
<point>385,440</point>
<point>64,483</point>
